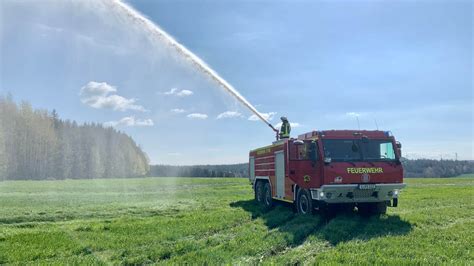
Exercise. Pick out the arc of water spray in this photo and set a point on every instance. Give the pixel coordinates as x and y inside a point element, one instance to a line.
<point>198,62</point>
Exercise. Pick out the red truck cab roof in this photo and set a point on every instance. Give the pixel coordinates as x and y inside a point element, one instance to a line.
<point>345,134</point>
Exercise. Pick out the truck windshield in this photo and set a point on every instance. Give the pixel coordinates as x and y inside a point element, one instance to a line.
<point>359,150</point>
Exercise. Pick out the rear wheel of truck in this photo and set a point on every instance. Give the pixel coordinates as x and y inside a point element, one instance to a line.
<point>259,192</point>
<point>267,196</point>
<point>304,203</point>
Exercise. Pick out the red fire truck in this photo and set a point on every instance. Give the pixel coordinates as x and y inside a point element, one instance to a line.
<point>325,169</point>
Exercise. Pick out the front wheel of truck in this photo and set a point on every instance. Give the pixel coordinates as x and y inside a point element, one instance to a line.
<point>304,203</point>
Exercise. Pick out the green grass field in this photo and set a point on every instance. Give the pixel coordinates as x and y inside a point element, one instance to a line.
<point>166,220</point>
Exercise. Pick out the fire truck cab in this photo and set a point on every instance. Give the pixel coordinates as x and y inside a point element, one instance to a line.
<point>324,169</point>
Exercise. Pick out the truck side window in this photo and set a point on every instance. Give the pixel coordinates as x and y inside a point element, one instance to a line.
<point>313,151</point>
<point>300,152</point>
<point>303,152</point>
<point>386,151</point>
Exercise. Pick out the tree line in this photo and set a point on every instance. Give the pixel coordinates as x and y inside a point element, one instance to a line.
<point>37,144</point>
<point>412,168</point>
<point>437,168</point>
<point>225,170</point>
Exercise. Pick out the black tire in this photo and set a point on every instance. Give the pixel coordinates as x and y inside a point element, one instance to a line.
<point>267,196</point>
<point>304,203</point>
<point>259,192</point>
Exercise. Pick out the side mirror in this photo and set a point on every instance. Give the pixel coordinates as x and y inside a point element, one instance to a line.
<point>399,148</point>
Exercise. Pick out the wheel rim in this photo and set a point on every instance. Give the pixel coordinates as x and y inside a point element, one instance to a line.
<point>304,204</point>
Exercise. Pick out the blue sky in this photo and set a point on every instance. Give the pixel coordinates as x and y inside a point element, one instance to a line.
<point>407,65</point>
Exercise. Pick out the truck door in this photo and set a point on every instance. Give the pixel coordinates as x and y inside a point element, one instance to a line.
<point>280,174</point>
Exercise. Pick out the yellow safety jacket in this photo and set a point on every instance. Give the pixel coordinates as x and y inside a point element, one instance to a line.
<point>285,130</point>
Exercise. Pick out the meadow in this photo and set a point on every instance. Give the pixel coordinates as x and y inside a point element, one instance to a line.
<point>199,220</point>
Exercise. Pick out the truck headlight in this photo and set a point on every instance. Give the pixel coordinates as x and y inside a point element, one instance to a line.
<point>321,194</point>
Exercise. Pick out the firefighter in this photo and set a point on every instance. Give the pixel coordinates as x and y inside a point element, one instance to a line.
<point>285,128</point>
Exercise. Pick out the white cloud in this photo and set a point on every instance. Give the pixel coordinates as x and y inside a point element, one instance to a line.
<point>97,88</point>
<point>115,102</point>
<point>130,121</point>
<point>268,116</point>
<point>179,93</point>
<point>184,93</point>
<point>170,92</point>
<point>102,95</point>
<point>229,114</point>
<point>178,111</point>
<point>292,124</point>
<point>197,116</point>
<point>144,123</point>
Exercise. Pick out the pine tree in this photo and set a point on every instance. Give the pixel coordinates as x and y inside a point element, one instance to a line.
<point>35,144</point>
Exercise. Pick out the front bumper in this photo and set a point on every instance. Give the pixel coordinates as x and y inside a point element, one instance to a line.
<point>352,193</point>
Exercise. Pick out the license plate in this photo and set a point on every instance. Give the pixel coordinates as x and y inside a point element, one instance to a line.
<point>367,186</point>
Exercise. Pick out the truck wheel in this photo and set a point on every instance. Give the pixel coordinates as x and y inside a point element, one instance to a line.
<point>259,192</point>
<point>304,203</point>
<point>267,196</point>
